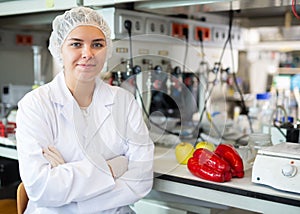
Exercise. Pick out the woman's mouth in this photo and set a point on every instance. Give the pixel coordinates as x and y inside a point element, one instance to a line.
<point>86,65</point>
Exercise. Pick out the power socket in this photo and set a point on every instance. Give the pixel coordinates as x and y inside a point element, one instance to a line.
<point>219,34</point>
<point>156,26</point>
<point>137,24</point>
<point>179,30</point>
<point>205,33</point>
<point>237,37</point>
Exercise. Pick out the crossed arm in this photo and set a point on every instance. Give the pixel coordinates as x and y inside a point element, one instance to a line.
<point>118,165</point>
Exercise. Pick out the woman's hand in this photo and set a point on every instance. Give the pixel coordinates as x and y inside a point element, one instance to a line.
<point>53,156</point>
<point>118,166</point>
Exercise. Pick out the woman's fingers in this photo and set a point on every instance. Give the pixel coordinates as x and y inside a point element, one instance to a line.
<point>53,156</point>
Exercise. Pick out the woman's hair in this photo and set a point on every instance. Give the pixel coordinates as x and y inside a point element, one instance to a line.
<point>63,24</point>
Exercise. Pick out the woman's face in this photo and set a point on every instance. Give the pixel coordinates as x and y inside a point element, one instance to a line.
<point>84,54</point>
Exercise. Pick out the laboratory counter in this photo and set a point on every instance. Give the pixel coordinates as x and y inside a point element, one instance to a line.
<point>173,183</point>
<point>8,148</point>
<point>175,180</point>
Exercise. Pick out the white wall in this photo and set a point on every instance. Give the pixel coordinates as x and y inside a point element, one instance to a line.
<point>261,64</point>
<point>17,60</point>
<point>143,47</point>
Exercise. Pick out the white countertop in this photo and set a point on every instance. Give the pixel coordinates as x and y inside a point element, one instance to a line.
<point>165,164</point>
<point>8,148</point>
<point>175,179</point>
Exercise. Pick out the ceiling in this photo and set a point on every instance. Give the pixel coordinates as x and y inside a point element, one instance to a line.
<point>248,13</point>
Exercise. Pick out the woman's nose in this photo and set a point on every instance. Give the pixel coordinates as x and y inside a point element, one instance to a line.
<point>87,52</point>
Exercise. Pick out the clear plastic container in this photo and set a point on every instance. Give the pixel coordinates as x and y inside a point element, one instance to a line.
<point>257,141</point>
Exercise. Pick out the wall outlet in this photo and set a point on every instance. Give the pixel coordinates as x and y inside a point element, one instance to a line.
<point>219,34</point>
<point>236,36</point>
<point>178,30</point>
<point>156,26</point>
<point>137,24</point>
<point>206,34</point>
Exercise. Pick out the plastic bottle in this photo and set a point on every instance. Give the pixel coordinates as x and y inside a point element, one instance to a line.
<point>264,110</point>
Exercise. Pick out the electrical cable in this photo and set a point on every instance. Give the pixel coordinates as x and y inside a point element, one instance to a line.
<point>203,110</point>
<point>244,108</point>
<point>128,25</point>
<point>274,121</point>
<point>186,34</point>
<point>148,116</point>
<point>279,129</point>
<point>218,68</point>
<point>200,36</point>
<point>228,37</point>
<point>228,40</point>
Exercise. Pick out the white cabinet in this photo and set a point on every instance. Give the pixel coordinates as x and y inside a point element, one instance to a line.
<point>32,6</point>
<point>107,2</point>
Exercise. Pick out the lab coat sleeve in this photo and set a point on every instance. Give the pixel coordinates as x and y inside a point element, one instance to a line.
<point>137,181</point>
<point>66,183</point>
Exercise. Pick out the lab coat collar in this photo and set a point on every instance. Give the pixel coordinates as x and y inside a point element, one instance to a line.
<point>62,95</point>
<point>59,92</point>
<point>103,98</point>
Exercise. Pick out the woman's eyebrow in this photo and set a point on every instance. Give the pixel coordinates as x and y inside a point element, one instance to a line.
<point>99,40</point>
<point>75,39</point>
<point>81,40</point>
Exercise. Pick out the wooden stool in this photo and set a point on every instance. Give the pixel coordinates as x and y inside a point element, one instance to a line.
<point>8,206</point>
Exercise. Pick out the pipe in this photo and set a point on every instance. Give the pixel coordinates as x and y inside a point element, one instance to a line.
<point>37,65</point>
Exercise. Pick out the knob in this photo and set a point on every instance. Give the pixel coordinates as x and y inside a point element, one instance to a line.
<point>137,69</point>
<point>176,71</point>
<point>289,170</point>
<point>158,69</point>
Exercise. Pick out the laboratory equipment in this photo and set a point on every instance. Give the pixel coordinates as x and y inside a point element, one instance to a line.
<point>278,166</point>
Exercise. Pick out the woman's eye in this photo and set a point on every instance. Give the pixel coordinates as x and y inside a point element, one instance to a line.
<point>98,45</point>
<point>76,44</point>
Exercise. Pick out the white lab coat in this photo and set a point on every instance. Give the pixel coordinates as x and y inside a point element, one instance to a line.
<point>49,115</point>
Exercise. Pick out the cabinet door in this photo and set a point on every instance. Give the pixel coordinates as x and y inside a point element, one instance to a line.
<point>15,7</point>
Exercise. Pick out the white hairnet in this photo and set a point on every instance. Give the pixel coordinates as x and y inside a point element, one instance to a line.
<point>63,24</point>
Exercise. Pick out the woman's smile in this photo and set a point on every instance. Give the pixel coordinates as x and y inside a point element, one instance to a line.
<point>86,65</point>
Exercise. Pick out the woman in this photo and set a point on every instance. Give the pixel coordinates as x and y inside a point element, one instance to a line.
<point>83,146</point>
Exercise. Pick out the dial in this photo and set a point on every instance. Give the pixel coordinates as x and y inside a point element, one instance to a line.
<point>289,170</point>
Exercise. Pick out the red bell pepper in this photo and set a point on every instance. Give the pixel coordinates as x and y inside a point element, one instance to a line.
<point>207,165</point>
<point>211,159</point>
<point>228,152</point>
